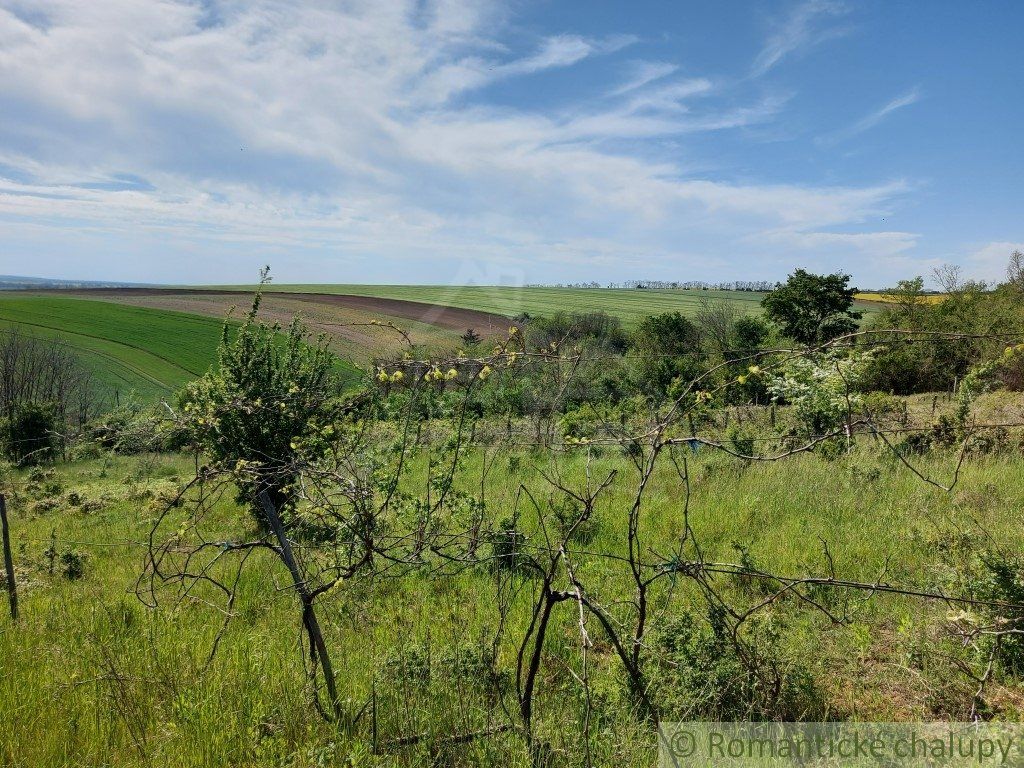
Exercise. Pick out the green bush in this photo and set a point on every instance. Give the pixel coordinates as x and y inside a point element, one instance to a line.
<point>993,630</point>
<point>72,564</point>
<point>604,330</point>
<point>663,349</point>
<point>31,433</point>
<point>267,404</point>
<point>882,405</point>
<point>704,676</point>
<point>507,547</point>
<point>822,388</point>
<point>128,429</point>
<point>1002,581</point>
<point>741,441</point>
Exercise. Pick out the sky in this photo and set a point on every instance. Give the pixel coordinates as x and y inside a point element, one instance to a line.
<point>478,142</point>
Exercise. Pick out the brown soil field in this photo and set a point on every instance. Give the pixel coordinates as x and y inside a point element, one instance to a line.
<point>348,321</point>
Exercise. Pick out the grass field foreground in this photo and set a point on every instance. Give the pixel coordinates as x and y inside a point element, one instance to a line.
<point>92,677</point>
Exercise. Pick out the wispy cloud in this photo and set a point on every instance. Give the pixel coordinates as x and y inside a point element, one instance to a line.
<point>873,118</point>
<point>643,72</point>
<point>804,27</point>
<point>345,140</point>
<point>989,261</point>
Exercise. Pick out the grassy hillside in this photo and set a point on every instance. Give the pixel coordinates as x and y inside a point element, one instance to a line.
<point>628,304</point>
<point>151,352</point>
<point>91,677</point>
<point>358,328</point>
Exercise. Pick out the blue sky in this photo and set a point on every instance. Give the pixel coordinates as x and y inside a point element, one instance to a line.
<point>461,141</point>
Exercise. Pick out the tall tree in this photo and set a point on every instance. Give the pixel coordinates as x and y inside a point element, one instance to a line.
<point>1015,270</point>
<point>812,309</point>
<point>663,348</point>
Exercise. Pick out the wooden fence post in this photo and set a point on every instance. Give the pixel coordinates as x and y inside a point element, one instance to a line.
<point>12,587</point>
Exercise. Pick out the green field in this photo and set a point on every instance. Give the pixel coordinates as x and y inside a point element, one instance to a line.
<point>629,304</point>
<point>149,352</point>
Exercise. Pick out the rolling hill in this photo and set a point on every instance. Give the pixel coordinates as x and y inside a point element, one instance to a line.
<point>629,304</point>
<point>151,352</point>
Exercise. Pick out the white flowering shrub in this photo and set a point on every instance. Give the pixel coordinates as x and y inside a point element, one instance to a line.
<point>822,388</point>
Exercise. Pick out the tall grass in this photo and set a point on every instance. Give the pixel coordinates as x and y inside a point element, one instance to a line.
<point>90,676</point>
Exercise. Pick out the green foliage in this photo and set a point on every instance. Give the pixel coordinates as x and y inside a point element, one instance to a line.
<point>1006,371</point>
<point>664,348</point>
<point>128,429</point>
<point>812,309</point>
<point>266,404</point>
<point>31,433</point>
<point>1003,582</point>
<point>507,543</point>
<point>749,333</point>
<point>993,628</point>
<point>980,314</point>
<point>666,334</point>
<point>822,388</point>
<point>706,676</point>
<point>72,564</point>
<point>594,329</point>
<point>882,405</point>
<point>420,664</point>
<point>741,441</point>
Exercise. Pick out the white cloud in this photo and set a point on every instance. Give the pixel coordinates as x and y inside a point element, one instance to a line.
<point>802,28</point>
<point>989,262</point>
<point>874,118</point>
<point>356,131</point>
<point>644,72</point>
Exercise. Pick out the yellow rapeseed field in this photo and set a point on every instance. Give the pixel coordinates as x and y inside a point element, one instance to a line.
<point>885,298</point>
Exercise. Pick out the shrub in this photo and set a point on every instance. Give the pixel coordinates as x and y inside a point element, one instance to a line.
<point>1004,582</point>
<point>31,433</point>
<point>1009,370</point>
<point>128,429</point>
<point>600,328</point>
<point>741,441</point>
<point>916,444</point>
<point>268,403</point>
<point>993,577</point>
<point>72,564</point>
<point>663,349</point>
<point>703,675</point>
<point>506,547</point>
<point>882,405</point>
<point>822,388</point>
<point>471,338</point>
<point>409,665</point>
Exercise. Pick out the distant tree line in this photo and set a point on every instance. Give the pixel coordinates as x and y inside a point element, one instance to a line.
<point>758,286</point>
